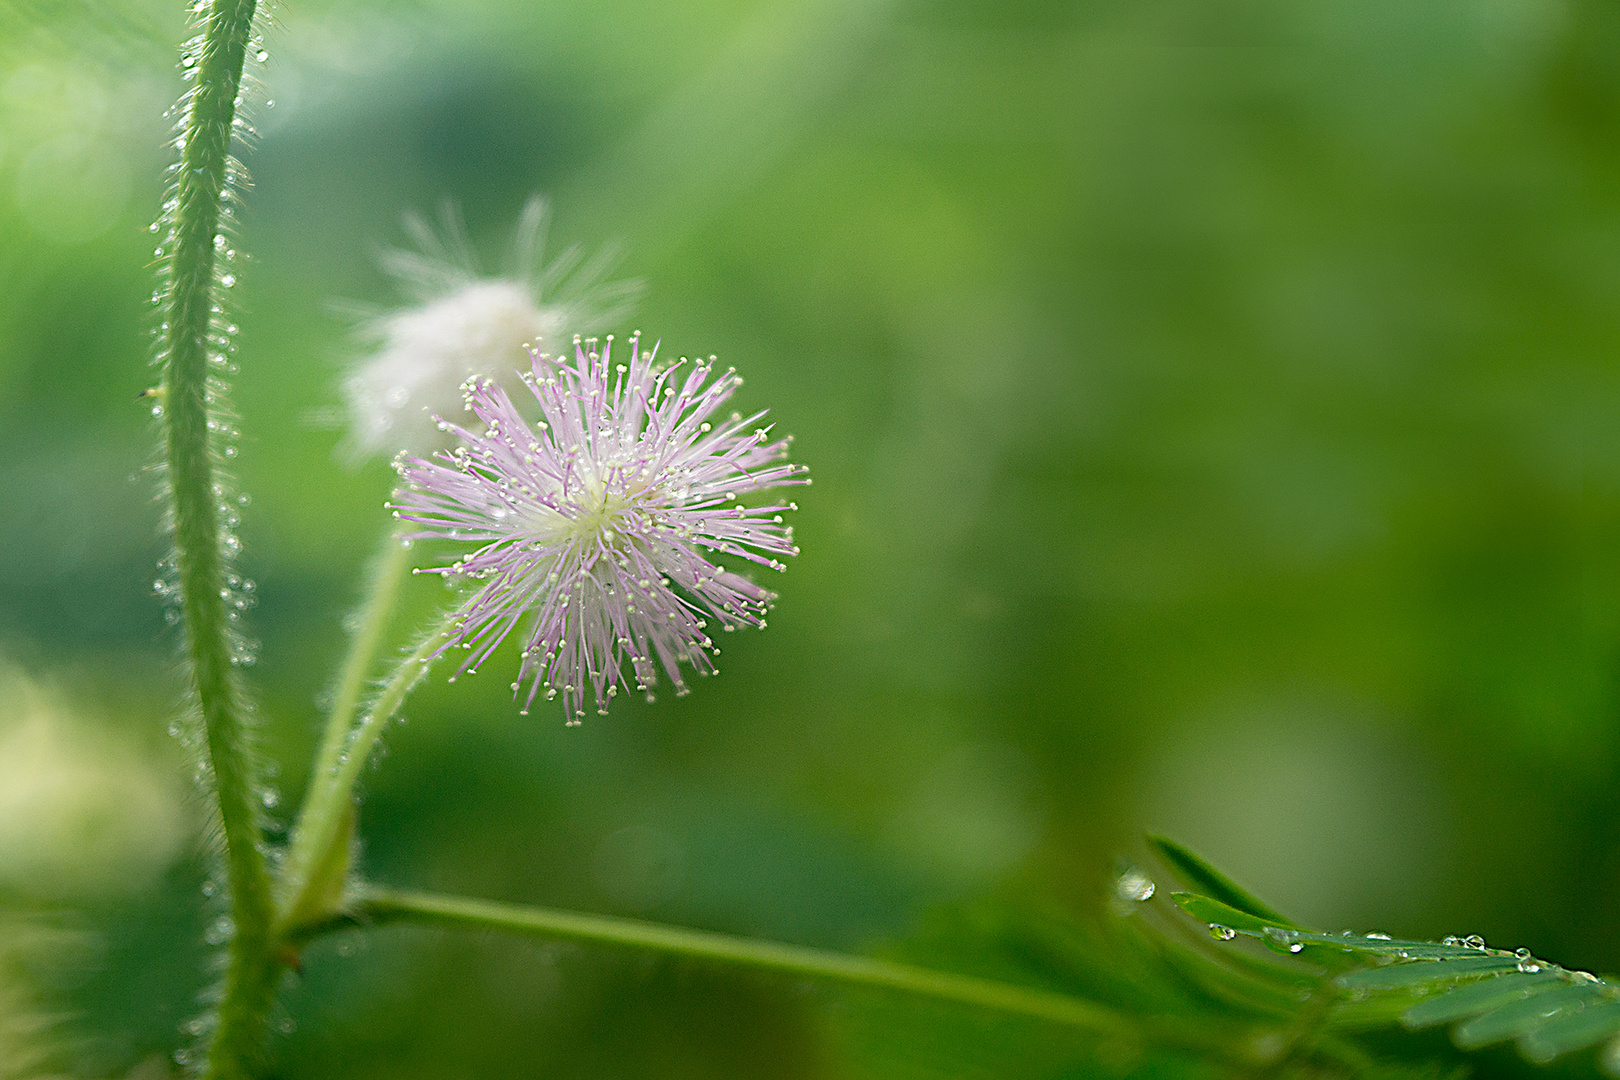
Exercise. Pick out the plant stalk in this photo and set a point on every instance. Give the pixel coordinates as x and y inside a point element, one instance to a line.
<point>386,573</point>
<point>326,810</point>
<point>378,903</point>
<point>192,426</point>
<point>384,577</point>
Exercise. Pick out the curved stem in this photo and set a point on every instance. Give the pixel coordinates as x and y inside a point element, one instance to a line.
<point>321,823</point>
<point>378,903</point>
<point>387,571</point>
<point>189,304</point>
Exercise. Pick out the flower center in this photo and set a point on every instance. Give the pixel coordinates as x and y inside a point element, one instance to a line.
<point>598,514</point>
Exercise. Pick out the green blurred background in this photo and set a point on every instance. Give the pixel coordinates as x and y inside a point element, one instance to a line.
<point>1213,414</point>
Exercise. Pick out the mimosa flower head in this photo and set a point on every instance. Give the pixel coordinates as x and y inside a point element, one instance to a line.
<point>463,325</point>
<point>601,522</point>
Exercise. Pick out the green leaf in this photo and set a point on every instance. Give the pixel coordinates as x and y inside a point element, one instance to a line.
<point>1381,945</point>
<point>1477,998</point>
<point>1418,972</point>
<point>1214,884</point>
<point>1217,1013</point>
<point>1520,1018</point>
<point>1490,995</point>
<point>1571,1031</point>
<point>1218,913</point>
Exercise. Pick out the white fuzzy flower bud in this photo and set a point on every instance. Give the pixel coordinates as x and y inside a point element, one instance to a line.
<point>464,327</point>
<point>429,352</point>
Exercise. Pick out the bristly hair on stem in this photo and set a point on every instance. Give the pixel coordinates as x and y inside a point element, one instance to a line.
<point>194,349</point>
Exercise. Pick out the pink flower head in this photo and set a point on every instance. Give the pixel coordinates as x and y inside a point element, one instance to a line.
<point>601,521</point>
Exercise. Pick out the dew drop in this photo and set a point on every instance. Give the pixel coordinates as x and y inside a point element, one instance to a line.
<point>1134,885</point>
<point>1221,933</point>
<point>1277,937</point>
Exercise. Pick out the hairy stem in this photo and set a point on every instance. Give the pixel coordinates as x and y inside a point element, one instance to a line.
<point>322,821</point>
<point>386,573</point>
<point>378,903</point>
<point>192,424</point>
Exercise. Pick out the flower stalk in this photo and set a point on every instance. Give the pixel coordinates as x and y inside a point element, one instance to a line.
<point>326,820</point>
<point>387,572</point>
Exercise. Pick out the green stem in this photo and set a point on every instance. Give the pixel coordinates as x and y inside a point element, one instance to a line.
<point>386,574</point>
<point>323,820</point>
<point>387,571</point>
<point>189,305</point>
<point>377,903</point>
